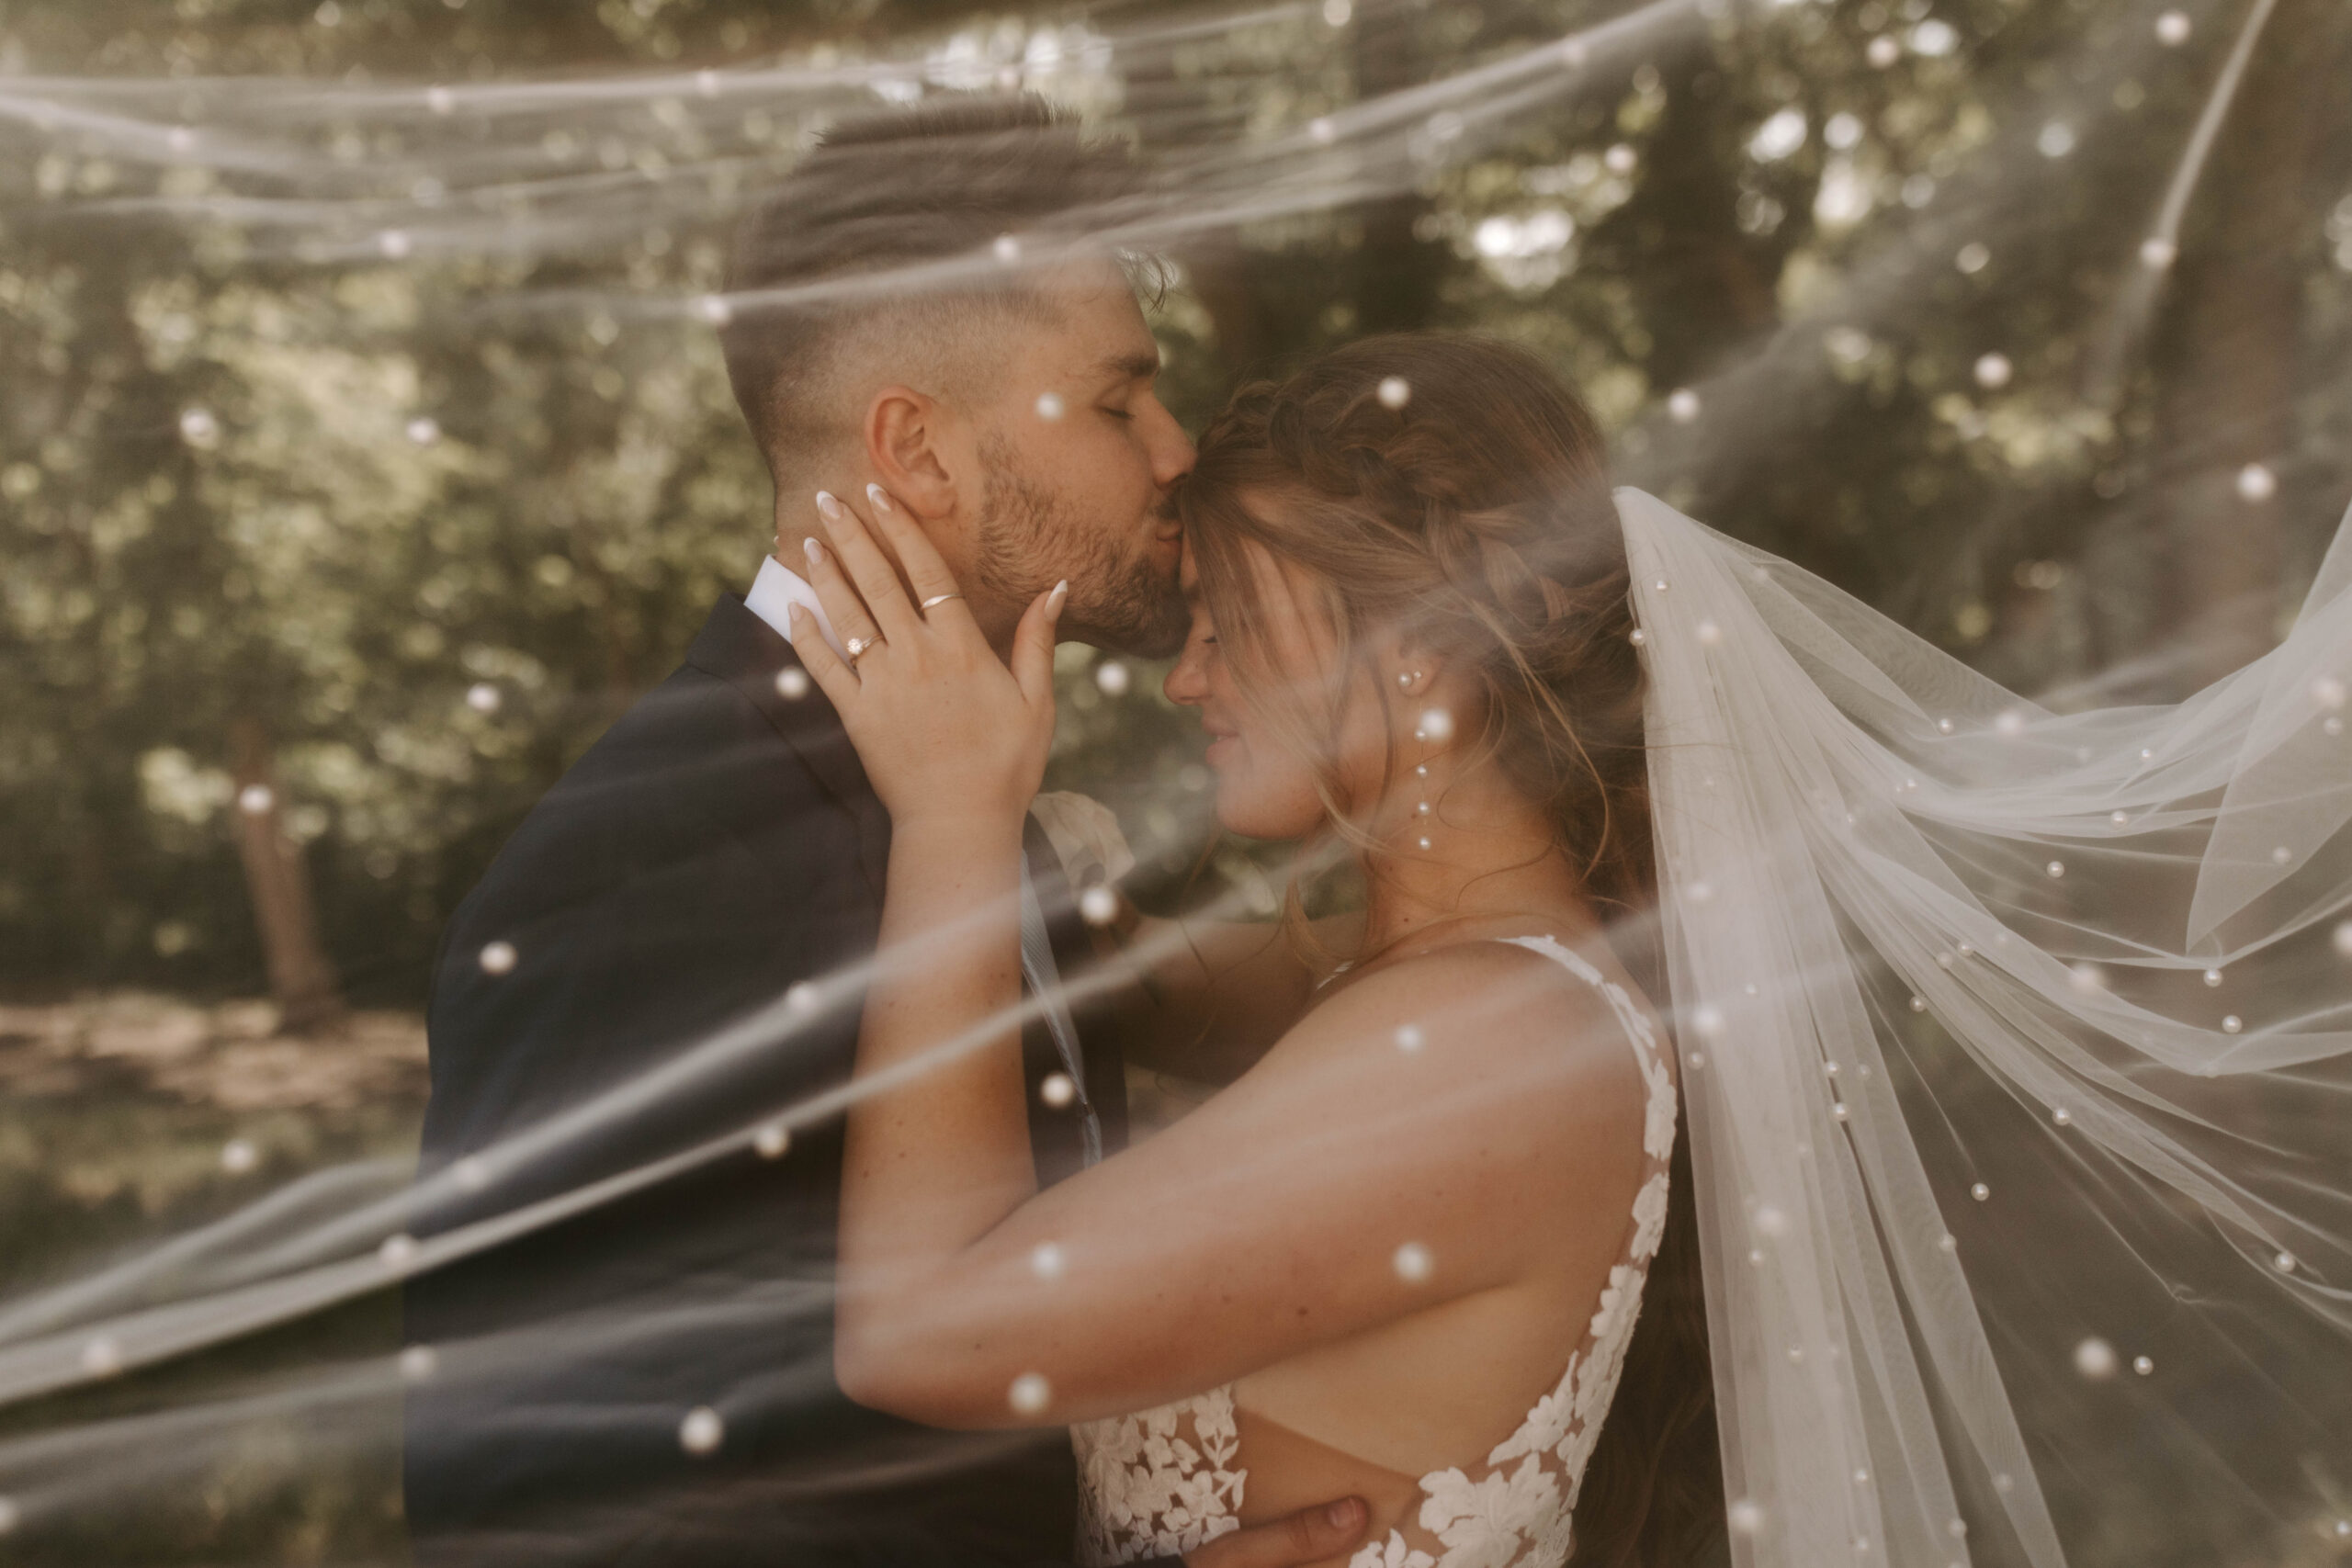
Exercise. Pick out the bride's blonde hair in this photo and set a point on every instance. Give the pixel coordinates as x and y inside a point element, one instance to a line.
<point>1455,488</point>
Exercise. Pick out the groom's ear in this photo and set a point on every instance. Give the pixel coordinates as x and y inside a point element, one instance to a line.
<point>910,443</point>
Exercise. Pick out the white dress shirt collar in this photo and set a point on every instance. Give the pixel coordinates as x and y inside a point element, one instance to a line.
<point>777,590</point>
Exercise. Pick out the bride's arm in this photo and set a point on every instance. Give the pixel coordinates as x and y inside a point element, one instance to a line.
<point>1344,1182</point>
<point>937,1148</point>
<point>943,1155</point>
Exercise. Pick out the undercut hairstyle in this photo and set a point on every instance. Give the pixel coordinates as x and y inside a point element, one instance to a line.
<point>895,191</point>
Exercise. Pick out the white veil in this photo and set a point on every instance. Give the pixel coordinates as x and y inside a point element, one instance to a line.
<point>2013,1045</point>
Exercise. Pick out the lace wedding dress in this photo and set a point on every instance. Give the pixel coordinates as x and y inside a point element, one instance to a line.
<point>1161,1482</point>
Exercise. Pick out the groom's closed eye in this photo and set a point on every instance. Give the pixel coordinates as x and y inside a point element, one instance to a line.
<point>1127,374</point>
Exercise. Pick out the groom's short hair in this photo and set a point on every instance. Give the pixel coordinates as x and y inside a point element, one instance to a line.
<point>882,193</point>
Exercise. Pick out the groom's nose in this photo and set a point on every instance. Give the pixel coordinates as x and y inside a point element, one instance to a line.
<point>1171,448</point>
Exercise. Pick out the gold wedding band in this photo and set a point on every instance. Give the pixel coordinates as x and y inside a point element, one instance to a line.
<point>857,647</point>
<point>937,599</point>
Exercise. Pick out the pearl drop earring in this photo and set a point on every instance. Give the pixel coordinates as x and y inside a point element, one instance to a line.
<point>1406,682</point>
<point>1422,810</point>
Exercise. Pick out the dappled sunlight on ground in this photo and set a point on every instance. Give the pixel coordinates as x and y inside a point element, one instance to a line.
<point>227,1055</point>
<point>127,1114</point>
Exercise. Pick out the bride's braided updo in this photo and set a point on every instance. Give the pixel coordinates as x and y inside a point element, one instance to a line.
<point>1455,490</point>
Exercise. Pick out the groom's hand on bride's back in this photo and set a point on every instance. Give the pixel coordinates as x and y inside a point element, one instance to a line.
<point>1310,1535</point>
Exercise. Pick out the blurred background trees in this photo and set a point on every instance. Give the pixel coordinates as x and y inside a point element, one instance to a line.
<point>319,571</point>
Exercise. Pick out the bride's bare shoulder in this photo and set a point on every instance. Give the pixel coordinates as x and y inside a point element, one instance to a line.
<point>1482,1006</point>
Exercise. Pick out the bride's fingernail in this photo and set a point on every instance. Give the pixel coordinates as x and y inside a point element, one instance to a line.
<point>1061,591</point>
<point>812,549</point>
<point>1345,1514</point>
<point>879,497</point>
<point>827,507</point>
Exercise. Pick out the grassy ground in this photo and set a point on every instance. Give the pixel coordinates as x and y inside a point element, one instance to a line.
<point>130,1117</point>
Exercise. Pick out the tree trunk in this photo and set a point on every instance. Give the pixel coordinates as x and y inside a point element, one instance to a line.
<point>1393,279</point>
<point>301,977</point>
<point>1219,268</point>
<point>1397,273</point>
<point>2234,335</point>
<point>1708,290</point>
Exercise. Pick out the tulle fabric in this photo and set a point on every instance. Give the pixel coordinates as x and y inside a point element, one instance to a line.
<point>2013,1044</point>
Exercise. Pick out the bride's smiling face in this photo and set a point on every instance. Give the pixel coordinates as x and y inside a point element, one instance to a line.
<point>1267,747</point>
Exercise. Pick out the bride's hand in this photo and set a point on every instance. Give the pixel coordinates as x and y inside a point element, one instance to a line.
<point>943,727</point>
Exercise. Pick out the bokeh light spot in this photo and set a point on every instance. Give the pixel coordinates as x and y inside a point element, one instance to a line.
<point>702,1431</point>
<point>2095,1359</point>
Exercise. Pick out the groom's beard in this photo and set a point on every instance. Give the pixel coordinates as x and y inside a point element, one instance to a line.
<point>1032,538</point>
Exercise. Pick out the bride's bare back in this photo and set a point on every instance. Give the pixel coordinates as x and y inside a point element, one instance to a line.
<point>1532,1109</point>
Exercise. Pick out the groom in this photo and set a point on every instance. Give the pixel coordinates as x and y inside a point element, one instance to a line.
<point>662,959</point>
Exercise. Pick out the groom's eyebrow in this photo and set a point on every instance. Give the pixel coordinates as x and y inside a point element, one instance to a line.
<point>1136,367</point>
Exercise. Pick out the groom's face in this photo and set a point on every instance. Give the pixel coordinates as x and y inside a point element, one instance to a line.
<point>1077,457</point>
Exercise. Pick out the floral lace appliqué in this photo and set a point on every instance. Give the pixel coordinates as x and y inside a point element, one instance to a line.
<point>1161,1482</point>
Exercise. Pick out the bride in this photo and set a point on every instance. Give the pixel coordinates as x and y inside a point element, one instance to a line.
<point>1403,1256</point>
<point>2010,1051</point>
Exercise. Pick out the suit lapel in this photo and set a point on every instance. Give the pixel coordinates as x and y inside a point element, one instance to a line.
<point>1075,956</point>
<point>737,647</point>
